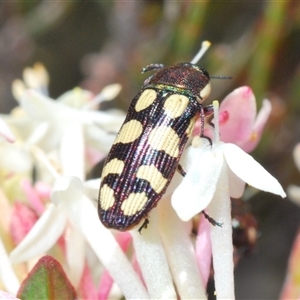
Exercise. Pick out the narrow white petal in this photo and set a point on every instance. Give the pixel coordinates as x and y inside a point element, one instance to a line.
<point>38,106</point>
<point>108,121</point>
<point>180,252</point>
<point>91,188</point>
<point>75,254</point>
<point>111,91</point>
<point>222,248</point>
<point>250,171</point>
<point>8,277</point>
<point>108,93</point>
<point>72,150</point>
<point>75,98</point>
<point>99,138</point>
<point>152,259</point>
<point>198,186</point>
<point>38,133</point>
<point>67,193</point>
<point>42,235</point>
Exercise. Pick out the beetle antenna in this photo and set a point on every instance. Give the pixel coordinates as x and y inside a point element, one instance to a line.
<point>204,46</point>
<point>221,77</point>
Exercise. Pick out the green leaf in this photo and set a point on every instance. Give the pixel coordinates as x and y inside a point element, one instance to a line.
<point>47,280</point>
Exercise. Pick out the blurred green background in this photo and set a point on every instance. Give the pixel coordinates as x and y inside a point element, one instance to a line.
<point>95,43</point>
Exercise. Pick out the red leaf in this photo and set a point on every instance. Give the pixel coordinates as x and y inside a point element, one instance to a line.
<point>47,280</point>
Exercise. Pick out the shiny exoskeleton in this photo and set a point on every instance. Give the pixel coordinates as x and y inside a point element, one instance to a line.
<point>146,152</point>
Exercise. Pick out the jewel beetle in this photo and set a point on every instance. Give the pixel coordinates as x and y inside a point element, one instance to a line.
<point>147,149</point>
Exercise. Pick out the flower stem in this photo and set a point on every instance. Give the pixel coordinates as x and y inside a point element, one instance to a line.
<point>153,262</point>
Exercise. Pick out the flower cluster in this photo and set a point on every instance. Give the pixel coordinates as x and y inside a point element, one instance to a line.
<point>61,140</point>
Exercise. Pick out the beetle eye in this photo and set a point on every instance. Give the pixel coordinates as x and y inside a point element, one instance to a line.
<point>204,93</point>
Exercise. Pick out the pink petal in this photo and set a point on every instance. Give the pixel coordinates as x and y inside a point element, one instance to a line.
<point>105,285</point>
<point>32,196</point>
<point>22,220</point>
<point>124,239</point>
<point>87,288</point>
<point>237,115</point>
<point>203,249</point>
<point>43,190</point>
<point>258,127</point>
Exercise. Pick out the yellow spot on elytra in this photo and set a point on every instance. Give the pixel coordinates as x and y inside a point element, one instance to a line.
<point>190,128</point>
<point>175,105</point>
<point>165,138</point>
<point>107,198</point>
<point>134,203</point>
<point>129,132</point>
<point>146,99</point>
<point>153,176</point>
<point>115,166</point>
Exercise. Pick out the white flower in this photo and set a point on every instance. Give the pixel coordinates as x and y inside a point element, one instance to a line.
<point>214,174</point>
<point>62,135</point>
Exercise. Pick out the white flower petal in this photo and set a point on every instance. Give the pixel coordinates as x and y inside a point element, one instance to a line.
<point>39,132</point>
<point>75,254</point>
<point>42,235</point>
<point>76,97</point>
<point>8,277</point>
<point>67,193</point>
<point>72,150</point>
<point>111,91</point>
<point>38,106</point>
<point>153,262</point>
<point>198,186</point>
<point>108,93</point>
<point>91,188</point>
<point>175,235</point>
<point>109,122</point>
<point>222,248</point>
<point>249,170</point>
<point>17,160</point>
<point>236,185</point>
<point>98,138</point>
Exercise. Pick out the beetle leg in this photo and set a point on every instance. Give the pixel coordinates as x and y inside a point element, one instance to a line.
<point>180,170</point>
<point>211,220</point>
<point>144,225</point>
<point>205,111</point>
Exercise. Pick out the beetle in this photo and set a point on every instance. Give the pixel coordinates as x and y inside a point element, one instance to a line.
<point>147,149</point>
